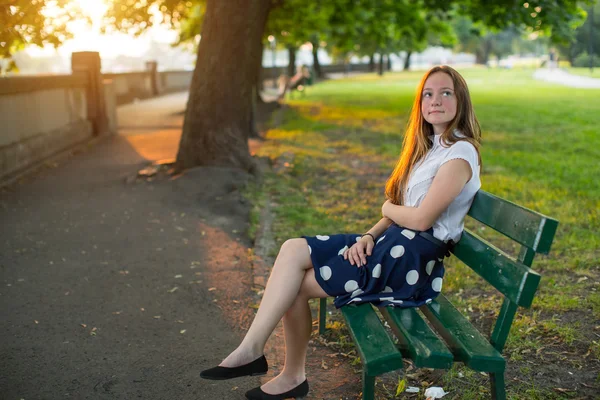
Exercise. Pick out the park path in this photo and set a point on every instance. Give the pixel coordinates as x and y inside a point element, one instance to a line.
<point>115,287</point>
<point>562,77</point>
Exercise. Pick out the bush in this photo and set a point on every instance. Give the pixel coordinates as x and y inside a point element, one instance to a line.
<point>583,60</point>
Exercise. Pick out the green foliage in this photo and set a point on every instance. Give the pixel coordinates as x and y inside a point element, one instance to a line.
<point>134,16</point>
<point>583,60</point>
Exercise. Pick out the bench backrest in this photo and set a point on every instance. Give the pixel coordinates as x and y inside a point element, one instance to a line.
<point>512,277</point>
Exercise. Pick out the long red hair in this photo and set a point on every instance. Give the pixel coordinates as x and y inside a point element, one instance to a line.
<point>417,140</point>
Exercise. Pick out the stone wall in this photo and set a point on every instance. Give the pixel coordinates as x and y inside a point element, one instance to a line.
<point>42,116</point>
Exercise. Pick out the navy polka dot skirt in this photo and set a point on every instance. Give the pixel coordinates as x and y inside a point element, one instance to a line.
<point>404,269</point>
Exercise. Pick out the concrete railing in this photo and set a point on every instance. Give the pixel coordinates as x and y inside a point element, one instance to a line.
<point>40,116</point>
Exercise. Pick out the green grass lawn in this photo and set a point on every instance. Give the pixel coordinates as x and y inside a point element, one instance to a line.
<point>336,146</point>
<point>585,72</point>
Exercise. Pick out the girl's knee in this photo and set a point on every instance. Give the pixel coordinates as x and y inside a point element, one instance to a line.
<point>294,245</point>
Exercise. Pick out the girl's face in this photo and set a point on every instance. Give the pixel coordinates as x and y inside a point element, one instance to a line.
<point>438,101</point>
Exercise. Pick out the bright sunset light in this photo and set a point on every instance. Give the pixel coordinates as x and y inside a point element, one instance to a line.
<point>87,36</point>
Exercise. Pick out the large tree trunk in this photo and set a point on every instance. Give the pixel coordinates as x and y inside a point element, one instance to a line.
<point>292,64</point>
<point>407,61</point>
<point>219,110</point>
<point>389,62</point>
<point>380,64</point>
<point>316,63</point>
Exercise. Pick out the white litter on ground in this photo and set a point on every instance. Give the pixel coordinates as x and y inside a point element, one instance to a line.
<point>435,392</point>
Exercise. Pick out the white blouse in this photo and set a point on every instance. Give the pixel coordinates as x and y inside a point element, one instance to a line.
<point>450,224</point>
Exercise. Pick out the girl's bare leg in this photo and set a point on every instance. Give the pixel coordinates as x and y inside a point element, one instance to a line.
<point>282,289</point>
<point>297,326</point>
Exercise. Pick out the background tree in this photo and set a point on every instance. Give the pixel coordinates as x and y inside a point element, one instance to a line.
<point>576,47</point>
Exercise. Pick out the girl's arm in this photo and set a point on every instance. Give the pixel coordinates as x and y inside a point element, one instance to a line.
<point>379,227</point>
<point>449,181</point>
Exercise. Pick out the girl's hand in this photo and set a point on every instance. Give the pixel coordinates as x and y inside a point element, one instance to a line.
<point>357,254</point>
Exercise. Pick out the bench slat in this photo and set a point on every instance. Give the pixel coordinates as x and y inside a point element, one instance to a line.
<point>422,344</point>
<point>377,350</point>
<point>465,341</point>
<point>521,224</point>
<point>513,279</point>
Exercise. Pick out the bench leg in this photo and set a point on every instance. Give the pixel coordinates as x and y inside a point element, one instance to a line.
<point>368,387</point>
<point>322,315</point>
<point>497,382</point>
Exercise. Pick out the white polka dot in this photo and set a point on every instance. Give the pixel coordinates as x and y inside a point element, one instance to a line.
<point>387,290</point>
<point>386,298</point>
<point>408,233</point>
<point>357,299</point>
<point>437,284</point>
<point>351,286</point>
<point>430,266</point>
<point>380,239</point>
<point>309,250</point>
<point>342,250</point>
<point>428,301</point>
<point>325,272</point>
<point>357,238</point>
<point>397,251</point>
<point>377,271</point>
<point>412,277</point>
<point>357,292</point>
<point>322,237</point>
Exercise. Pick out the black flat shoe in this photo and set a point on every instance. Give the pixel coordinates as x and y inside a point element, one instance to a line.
<point>255,368</point>
<point>299,392</point>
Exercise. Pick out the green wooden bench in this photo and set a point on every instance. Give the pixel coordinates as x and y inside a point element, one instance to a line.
<point>455,339</point>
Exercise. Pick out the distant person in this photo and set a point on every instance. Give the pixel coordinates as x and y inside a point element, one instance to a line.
<point>397,262</point>
<point>552,59</point>
<point>296,82</point>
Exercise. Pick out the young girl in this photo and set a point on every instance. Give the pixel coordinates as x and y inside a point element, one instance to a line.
<point>398,262</point>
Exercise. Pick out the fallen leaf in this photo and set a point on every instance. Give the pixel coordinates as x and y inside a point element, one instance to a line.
<point>117,312</point>
<point>401,386</point>
<point>179,321</point>
<point>156,317</point>
<point>180,229</point>
<point>212,288</point>
<point>182,331</point>
<point>178,276</point>
<point>142,309</point>
<point>83,325</point>
<point>173,290</point>
<point>36,321</point>
<point>124,272</point>
<point>323,365</point>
